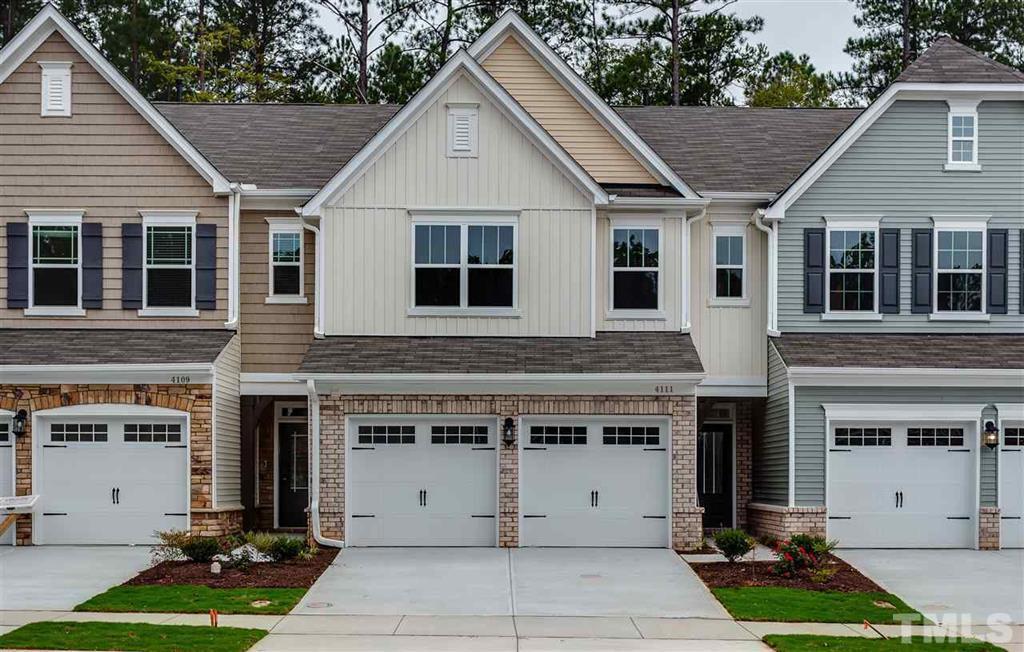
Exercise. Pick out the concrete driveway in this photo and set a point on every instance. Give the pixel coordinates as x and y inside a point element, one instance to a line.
<point>56,578</point>
<point>970,583</point>
<point>507,582</point>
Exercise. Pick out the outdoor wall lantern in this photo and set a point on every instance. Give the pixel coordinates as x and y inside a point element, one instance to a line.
<point>508,432</point>
<point>18,427</point>
<point>991,436</point>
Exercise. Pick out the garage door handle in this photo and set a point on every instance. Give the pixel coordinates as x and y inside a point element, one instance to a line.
<point>840,518</point>
<point>55,513</point>
<point>54,446</point>
<point>1011,450</point>
<point>958,518</point>
<point>958,450</point>
<point>534,448</point>
<point>661,517</point>
<point>177,446</point>
<point>117,496</point>
<point>535,515</point>
<point>1010,518</point>
<point>486,448</point>
<point>175,514</point>
<point>655,449</point>
<point>597,498</point>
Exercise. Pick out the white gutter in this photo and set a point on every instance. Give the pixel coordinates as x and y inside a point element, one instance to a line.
<point>619,201</point>
<point>318,281</point>
<point>234,222</point>
<point>314,503</point>
<point>772,230</point>
<point>684,317</point>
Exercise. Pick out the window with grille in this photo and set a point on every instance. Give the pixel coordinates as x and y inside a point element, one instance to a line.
<point>465,265</point>
<point>5,432</point>
<point>852,267</point>
<point>78,432</point>
<point>863,437</point>
<point>960,271</point>
<point>286,263</point>
<point>386,434</point>
<point>55,265</point>
<point>156,433</point>
<point>935,436</point>
<point>558,435</point>
<point>458,435</point>
<point>1013,436</point>
<point>635,268</point>
<point>169,266</point>
<point>631,436</point>
<point>729,262</point>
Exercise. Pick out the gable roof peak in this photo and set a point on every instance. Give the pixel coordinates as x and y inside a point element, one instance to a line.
<point>948,61</point>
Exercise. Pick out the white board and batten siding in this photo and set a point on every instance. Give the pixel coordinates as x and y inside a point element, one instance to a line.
<point>227,447</point>
<point>368,227</point>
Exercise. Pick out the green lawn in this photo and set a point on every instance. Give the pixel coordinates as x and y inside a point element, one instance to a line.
<point>798,605</point>
<point>130,636</point>
<point>182,598</point>
<point>803,643</point>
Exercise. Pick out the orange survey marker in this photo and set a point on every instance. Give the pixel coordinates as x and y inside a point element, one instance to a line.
<point>213,617</point>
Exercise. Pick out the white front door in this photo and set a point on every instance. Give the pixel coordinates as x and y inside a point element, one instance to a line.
<point>110,480</point>
<point>596,483</point>
<point>1011,487</point>
<point>902,486</point>
<point>422,483</point>
<point>6,471</point>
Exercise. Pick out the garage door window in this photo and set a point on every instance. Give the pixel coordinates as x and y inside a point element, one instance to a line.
<point>935,436</point>
<point>631,436</point>
<point>78,432</point>
<point>1012,437</point>
<point>863,437</point>
<point>157,433</point>
<point>4,432</point>
<point>387,435</point>
<point>458,434</point>
<point>558,435</point>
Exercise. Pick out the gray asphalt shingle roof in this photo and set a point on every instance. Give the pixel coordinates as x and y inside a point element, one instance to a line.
<point>607,353</point>
<point>86,346</point>
<point>902,350</point>
<point>737,149</point>
<point>948,61</point>
<point>278,145</point>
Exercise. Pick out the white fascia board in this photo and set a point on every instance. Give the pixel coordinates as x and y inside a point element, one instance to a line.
<point>554,384</point>
<point>48,20</point>
<point>904,377</point>
<point>902,411</point>
<point>511,23</point>
<point>740,197</point>
<point>407,116</point>
<point>901,90</point>
<point>110,410</point>
<point>256,384</point>
<point>751,387</point>
<point>108,373</point>
<point>620,202</point>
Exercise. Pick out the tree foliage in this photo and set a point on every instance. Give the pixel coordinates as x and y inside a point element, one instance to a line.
<point>788,80</point>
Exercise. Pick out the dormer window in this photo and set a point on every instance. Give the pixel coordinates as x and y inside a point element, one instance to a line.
<point>55,89</point>
<point>963,136</point>
<point>463,128</point>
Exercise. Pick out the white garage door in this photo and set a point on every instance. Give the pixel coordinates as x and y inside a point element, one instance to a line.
<point>897,486</point>
<point>6,470</point>
<point>594,484</point>
<point>110,480</point>
<point>1011,487</point>
<point>416,483</point>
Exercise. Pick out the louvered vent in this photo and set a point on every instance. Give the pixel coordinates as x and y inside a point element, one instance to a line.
<point>55,89</point>
<point>462,130</point>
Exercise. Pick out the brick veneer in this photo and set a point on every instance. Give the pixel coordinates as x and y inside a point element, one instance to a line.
<point>989,523</point>
<point>194,399</point>
<point>782,522</point>
<point>686,516</point>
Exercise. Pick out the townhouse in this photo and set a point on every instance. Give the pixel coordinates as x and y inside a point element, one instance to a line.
<point>507,313</point>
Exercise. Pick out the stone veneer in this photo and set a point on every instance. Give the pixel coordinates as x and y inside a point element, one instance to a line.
<point>781,522</point>
<point>989,524</point>
<point>686,516</point>
<point>194,399</point>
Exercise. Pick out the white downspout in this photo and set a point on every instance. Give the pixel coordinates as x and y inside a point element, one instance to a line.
<point>685,325</point>
<point>314,503</point>
<point>773,269</point>
<point>318,282</point>
<point>234,212</point>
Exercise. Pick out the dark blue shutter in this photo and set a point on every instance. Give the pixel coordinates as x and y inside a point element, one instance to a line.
<point>92,265</point>
<point>814,270</point>
<point>998,271</point>
<point>206,266</point>
<point>17,265</point>
<point>889,271</point>
<point>921,270</point>
<point>131,266</point>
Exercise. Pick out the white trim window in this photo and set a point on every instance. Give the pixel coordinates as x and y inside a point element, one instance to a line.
<point>852,267</point>
<point>169,269</point>
<point>55,255</point>
<point>464,266</point>
<point>55,89</point>
<point>463,130</point>
<point>959,270</point>
<point>287,263</point>
<point>962,127</point>
<point>636,268</point>
<point>729,264</point>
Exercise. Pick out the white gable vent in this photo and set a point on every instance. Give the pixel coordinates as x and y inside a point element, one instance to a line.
<point>463,129</point>
<point>56,89</point>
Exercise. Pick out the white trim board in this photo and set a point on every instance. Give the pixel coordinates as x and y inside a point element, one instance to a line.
<point>109,373</point>
<point>870,412</point>
<point>556,384</point>
<point>1010,411</point>
<point>461,63</point>
<point>904,377</point>
<point>512,24</point>
<point>50,20</point>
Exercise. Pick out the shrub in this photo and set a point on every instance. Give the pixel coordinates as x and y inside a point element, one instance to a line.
<point>263,542</point>
<point>201,549</point>
<point>285,548</point>
<point>791,558</point>
<point>169,548</point>
<point>309,553</point>
<point>733,543</point>
<point>818,545</point>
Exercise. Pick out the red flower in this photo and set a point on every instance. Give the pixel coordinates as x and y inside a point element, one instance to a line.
<point>789,557</point>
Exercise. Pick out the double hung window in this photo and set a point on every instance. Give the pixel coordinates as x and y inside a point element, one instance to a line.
<point>852,270</point>
<point>169,265</point>
<point>729,280</point>
<point>56,262</point>
<point>286,262</point>
<point>464,265</point>
<point>636,268</point>
<point>960,270</point>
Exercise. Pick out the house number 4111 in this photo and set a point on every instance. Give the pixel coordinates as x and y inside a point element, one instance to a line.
<point>664,389</point>
<point>181,380</point>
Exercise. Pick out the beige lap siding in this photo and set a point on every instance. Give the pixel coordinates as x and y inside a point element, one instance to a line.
<point>686,516</point>
<point>194,399</point>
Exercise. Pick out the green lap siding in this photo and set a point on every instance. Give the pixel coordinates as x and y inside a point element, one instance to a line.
<point>895,169</point>
<point>771,459</point>
<point>811,436</point>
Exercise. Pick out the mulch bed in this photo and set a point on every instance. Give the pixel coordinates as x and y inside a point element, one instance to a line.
<point>759,573</point>
<point>293,574</point>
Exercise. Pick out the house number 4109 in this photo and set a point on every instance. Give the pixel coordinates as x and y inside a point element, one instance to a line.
<point>664,389</point>
<point>181,379</point>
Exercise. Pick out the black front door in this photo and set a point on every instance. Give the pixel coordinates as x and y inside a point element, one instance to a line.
<point>714,474</point>
<point>292,474</point>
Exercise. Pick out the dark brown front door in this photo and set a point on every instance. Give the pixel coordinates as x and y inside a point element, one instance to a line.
<point>714,474</point>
